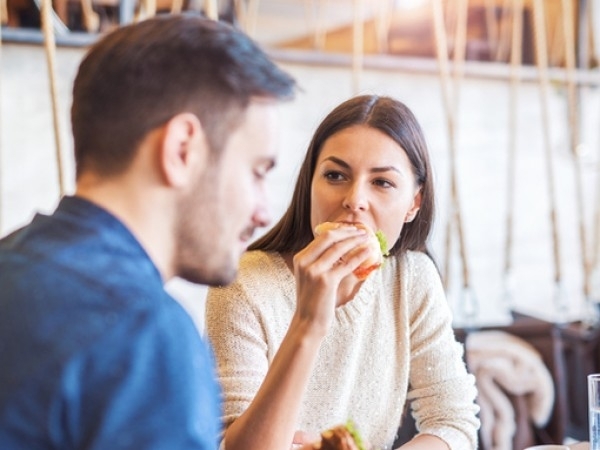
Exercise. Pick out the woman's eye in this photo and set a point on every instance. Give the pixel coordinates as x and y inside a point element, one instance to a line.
<point>333,175</point>
<point>383,183</point>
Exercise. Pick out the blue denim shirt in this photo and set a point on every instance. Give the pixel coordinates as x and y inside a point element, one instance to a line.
<point>94,354</point>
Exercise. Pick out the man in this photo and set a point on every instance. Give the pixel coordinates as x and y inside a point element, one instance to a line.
<point>173,123</point>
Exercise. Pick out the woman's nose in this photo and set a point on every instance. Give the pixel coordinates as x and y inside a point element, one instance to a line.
<point>355,199</point>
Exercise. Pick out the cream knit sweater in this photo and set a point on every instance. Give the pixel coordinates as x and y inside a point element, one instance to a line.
<point>395,337</point>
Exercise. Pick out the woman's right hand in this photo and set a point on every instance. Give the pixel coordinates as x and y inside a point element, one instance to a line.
<point>305,441</point>
<point>319,269</point>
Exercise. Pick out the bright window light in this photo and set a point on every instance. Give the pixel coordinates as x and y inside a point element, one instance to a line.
<point>410,4</point>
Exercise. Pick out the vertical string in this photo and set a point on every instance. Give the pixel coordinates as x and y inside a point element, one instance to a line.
<point>504,34</point>
<point>212,11</point>
<point>572,97</point>
<point>176,6</point>
<point>543,80</point>
<point>251,16</point>
<point>491,25</point>
<point>357,44</point>
<point>321,8</point>
<point>383,24</point>
<point>515,78</point>
<point>442,57</point>
<point>460,48</point>
<point>468,304</point>
<point>91,19</point>
<point>50,48</point>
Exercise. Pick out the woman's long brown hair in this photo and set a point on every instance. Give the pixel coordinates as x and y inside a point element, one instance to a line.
<point>293,231</point>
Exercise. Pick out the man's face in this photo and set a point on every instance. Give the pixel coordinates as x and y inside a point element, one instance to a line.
<point>217,218</point>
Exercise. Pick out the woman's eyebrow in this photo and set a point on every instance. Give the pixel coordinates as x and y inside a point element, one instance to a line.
<point>345,165</point>
<point>338,161</point>
<point>385,169</point>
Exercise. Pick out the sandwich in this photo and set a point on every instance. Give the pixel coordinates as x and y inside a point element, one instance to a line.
<point>376,243</point>
<point>341,437</point>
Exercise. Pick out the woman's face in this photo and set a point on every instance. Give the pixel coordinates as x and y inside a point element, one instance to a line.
<point>362,175</point>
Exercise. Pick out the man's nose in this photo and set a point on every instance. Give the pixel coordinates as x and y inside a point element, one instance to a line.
<point>262,212</point>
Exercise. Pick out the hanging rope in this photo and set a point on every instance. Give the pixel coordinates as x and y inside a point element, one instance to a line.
<point>515,78</point>
<point>595,258</point>
<point>595,263</point>
<point>491,25</point>
<point>91,19</point>
<point>357,44</point>
<point>543,80</point>
<point>504,33</point>
<point>573,101</point>
<point>176,6</point>
<point>468,303</point>
<point>450,109</point>
<point>441,50</point>
<point>50,48</point>
<point>596,251</point>
<point>460,48</point>
<point>212,11</point>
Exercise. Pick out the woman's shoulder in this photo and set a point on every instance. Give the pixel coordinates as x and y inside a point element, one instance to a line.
<point>417,261</point>
<point>418,272</point>
<point>260,270</point>
<point>258,263</point>
<point>258,260</point>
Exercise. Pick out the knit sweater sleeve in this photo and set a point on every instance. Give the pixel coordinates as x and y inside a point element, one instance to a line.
<point>245,324</point>
<point>441,391</point>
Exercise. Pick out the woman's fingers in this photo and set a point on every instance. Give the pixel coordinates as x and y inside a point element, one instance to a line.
<point>303,437</point>
<point>330,250</point>
<point>319,269</point>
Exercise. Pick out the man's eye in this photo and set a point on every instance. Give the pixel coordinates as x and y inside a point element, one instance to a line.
<point>260,174</point>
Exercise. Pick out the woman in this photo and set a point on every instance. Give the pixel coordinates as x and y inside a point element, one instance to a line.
<point>302,344</point>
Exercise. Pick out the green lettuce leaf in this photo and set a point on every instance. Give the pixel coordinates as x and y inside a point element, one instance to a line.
<point>355,434</point>
<point>382,242</point>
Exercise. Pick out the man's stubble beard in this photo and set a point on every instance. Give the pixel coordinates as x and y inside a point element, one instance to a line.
<point>203,253</point>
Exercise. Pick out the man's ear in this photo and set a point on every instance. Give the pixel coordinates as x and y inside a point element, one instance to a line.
<point>184,147</point>
<point>412,212</point>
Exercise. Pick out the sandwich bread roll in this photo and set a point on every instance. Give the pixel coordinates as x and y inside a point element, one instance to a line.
<point>341,437</point>
<point>375,243</point>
